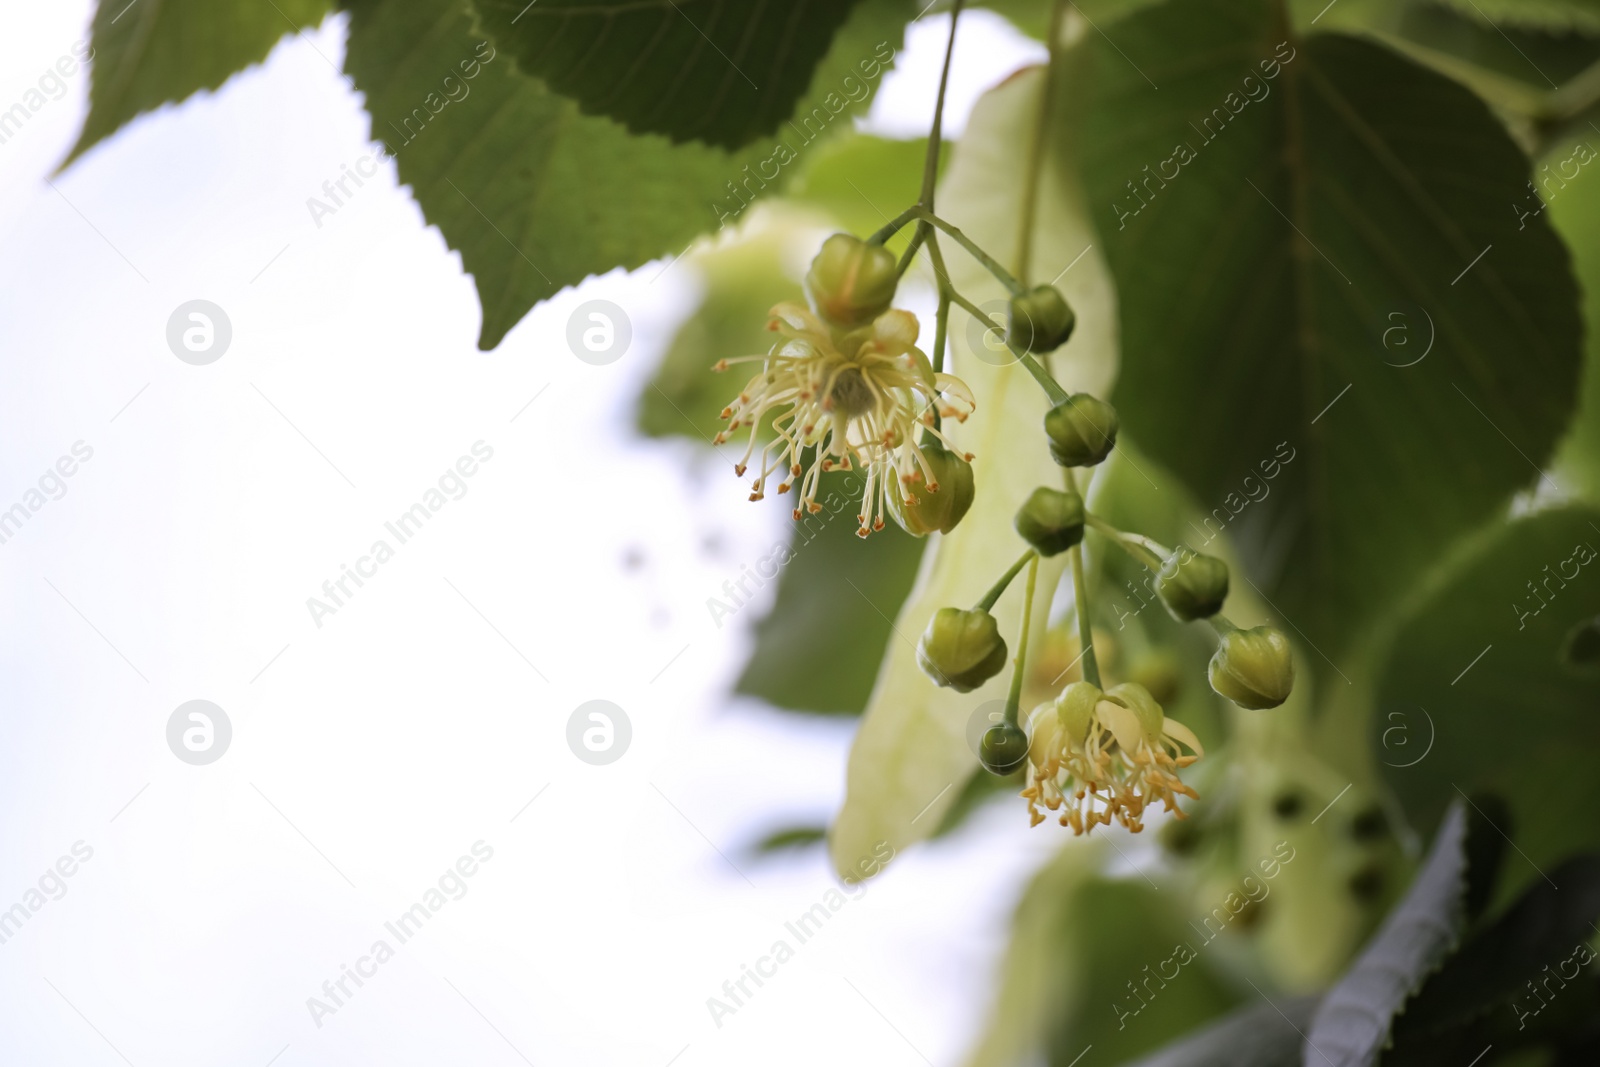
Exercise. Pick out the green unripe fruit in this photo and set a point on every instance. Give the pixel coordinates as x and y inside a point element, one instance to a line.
<point>851,282</point>
<point>961,649</point>
<point>1051,520</point>
<point>1193,587</point>
<point>1253,668</point>
<point>1003,748</point>
<point>1039,320</point>
<point>935,511</point>
<point>1082,430</point>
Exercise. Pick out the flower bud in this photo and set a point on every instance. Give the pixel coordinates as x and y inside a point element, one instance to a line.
<point>1193,587</point>
<point>961,649</point>
<point>1039,320</point>
<point>939,503</point>
<point>1082,430</point>
<point>1003,748</point>
<point>1051,520</point>
<point>851,282</point>
<point>1253,668</point>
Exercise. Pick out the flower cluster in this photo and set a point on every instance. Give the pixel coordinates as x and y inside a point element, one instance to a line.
<point>842,399</point>
<point>1098,757</point>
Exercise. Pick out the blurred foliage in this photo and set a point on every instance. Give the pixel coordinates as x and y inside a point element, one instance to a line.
<point>1478,670</point>
<point>742,281</point>
<point>819,647</point>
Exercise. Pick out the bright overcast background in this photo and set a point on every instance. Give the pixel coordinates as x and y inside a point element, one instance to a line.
<point>370,754</point>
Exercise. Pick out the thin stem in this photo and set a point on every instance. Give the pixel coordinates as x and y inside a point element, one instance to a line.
<point>999,587</point>
<point>988,261</point>
<point>1030,188</point>
<point>911,250</point>
<point>930,167</point>
<point>894,225</point>
<point>1014,698</point>
<point>941,325</point>
<point>1220,623</point>
<point>1132,543</point>
<point>1080,596</point>
<point>1051,387</point>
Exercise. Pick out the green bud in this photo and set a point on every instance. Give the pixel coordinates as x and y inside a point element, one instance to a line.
<point>850,283</point>
<point>961,649</point>
<point>1039,320</point>
<point>1003,748</point>
<point>941,510</point>
<point>1253,668</point>
<point>1082,430</point>
<point>1051,520</point>
<point>1193,587</point>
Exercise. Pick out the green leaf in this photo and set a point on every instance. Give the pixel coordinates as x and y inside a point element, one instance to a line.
<point>163,51</point>
<point>720,71</point>
<point>1352,1024</point>
<point>1574,211</point>
<point>863,181</point>
<point>1477,668</point>
<point>1258,280</point>
<point>1546,16</point>
<point>743,280</point>
<point>536,196</point>
<point>911,755</point>
<point>1490,974</point>
<point>789,839</point>
<point>1080,947</point>
<point>1257,1035</point>
<point>819,647</point>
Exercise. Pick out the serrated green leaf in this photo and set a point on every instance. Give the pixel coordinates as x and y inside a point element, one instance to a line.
<point>163,51</point>
<point>537,196</point>
<point>1477,668</point>
<point>1353,1022</point>
<point>1258,280</point>
<point>1491,974</point>
<point>720,71</point>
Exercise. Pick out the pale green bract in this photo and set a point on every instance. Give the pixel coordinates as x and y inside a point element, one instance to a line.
<point>911,755</point>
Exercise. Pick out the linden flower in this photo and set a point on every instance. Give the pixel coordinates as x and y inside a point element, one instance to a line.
<point>1097,757</point>
<point>864,398</point>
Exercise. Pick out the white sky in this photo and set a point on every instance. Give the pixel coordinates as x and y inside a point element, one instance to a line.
<point>370,754</point>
